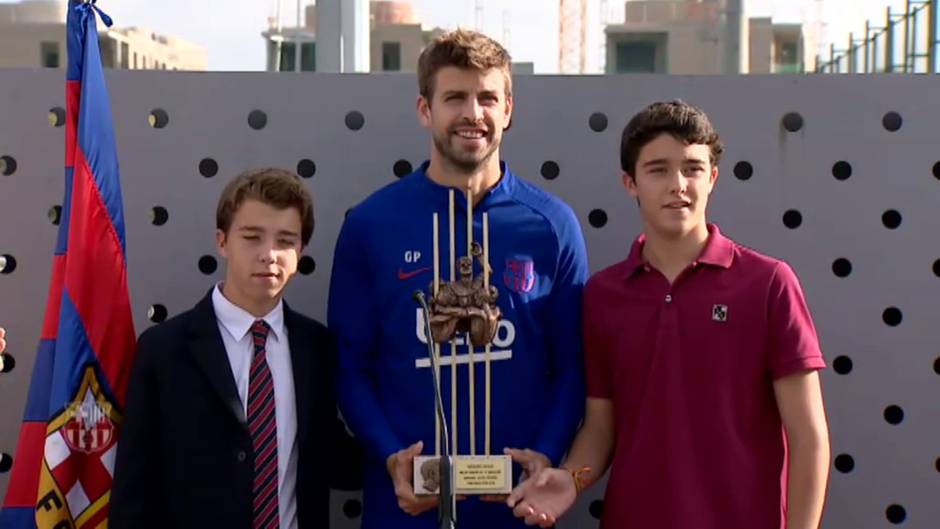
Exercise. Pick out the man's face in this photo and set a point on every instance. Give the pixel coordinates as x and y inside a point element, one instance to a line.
<point>672,184</point>
<point>466,115</point>
<point>261,250</point>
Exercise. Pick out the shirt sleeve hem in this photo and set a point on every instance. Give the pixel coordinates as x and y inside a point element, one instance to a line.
<point>814,362</point>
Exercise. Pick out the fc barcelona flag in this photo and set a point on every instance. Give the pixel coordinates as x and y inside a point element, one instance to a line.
<point>64,458</point>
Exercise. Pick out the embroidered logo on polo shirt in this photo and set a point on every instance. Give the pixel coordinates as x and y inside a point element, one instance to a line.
<point>720,313</point>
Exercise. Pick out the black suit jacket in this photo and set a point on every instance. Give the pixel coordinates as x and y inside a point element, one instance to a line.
<point>185,457</point>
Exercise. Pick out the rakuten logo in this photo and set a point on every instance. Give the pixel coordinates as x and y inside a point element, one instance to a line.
<point>505,333</point>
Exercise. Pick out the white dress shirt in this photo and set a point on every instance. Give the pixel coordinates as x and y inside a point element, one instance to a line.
<point>235,326</point>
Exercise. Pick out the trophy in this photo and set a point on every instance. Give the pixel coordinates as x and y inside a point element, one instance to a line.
<point>464,305</point>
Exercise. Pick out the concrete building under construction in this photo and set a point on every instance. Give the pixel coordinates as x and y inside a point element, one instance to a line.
<point>32,35</point>
<point>394,39</point>
<point>704,37</point>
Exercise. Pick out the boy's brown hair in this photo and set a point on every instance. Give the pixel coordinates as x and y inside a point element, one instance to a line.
<point>679,119</point>
<point>278,188</point>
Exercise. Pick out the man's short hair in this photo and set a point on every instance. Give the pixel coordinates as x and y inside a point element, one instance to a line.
<point>465,49</point>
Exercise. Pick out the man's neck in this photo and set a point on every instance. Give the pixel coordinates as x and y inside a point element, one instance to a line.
<point>673,254</point>
<point>479,181</point>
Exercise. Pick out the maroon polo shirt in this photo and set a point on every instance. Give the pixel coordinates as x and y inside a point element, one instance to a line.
<point>689,368</point>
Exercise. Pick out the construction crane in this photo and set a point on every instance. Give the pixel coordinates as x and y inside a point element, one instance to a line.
<point>572,36</point>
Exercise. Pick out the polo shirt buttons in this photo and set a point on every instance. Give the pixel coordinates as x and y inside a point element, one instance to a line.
<point>668,298</point>
<point>241,456</point>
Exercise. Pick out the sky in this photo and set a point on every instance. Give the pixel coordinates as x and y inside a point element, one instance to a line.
<point>231,29</point>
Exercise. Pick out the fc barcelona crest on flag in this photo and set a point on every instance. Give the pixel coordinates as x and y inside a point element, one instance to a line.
<point>80,446</point>
<point>90,426</point>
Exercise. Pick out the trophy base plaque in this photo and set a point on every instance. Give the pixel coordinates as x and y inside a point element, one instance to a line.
<point>473,475</point>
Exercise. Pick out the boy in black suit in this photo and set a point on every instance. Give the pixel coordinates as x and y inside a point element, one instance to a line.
<point>231,419</point>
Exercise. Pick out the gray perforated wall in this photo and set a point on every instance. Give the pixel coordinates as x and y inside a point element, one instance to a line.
<point>849,199</point>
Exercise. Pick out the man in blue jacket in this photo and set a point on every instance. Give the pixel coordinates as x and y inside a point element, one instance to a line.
<point>385,252</point>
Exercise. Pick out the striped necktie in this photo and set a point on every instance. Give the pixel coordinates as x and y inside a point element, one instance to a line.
<point>262,423</point>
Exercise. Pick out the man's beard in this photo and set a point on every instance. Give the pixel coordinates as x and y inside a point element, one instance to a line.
<point>464,162</point>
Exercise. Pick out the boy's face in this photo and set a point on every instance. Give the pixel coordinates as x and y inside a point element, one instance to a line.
<point>261,250</point>
<point>672,184</point>
<point>467,114</point>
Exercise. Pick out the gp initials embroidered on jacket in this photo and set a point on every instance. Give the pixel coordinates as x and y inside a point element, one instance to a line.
<point>411,261</point>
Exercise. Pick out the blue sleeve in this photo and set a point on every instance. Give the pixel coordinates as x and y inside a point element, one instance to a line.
<point>563,334</point>
<point>352,317</point>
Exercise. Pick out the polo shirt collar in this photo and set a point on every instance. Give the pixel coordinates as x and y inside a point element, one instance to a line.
<point>718,251</point>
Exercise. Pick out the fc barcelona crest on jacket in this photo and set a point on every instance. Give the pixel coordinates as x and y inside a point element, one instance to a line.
<point>519,275</point>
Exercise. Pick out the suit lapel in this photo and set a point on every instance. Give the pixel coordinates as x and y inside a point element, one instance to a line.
<point>208,351</point>
<point>301,342</point>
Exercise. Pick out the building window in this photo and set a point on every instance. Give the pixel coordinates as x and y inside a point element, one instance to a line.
<point>49,51</point>
<point>788,53</point>
<point>308,56</point>
<point>287,57</point>
<point>108,51</point>
<point>636,57</point>
<point>125,55</point>
<point>391,56</point>
<point>135,60</point>
<point>787,57</point>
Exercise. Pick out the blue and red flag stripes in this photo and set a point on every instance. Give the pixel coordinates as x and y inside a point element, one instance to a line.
<point>64,458</point>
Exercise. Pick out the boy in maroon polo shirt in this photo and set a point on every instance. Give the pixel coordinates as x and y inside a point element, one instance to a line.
<point>703,392</point>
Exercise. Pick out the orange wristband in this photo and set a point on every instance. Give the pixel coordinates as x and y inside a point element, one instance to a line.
<point>576,476</point>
